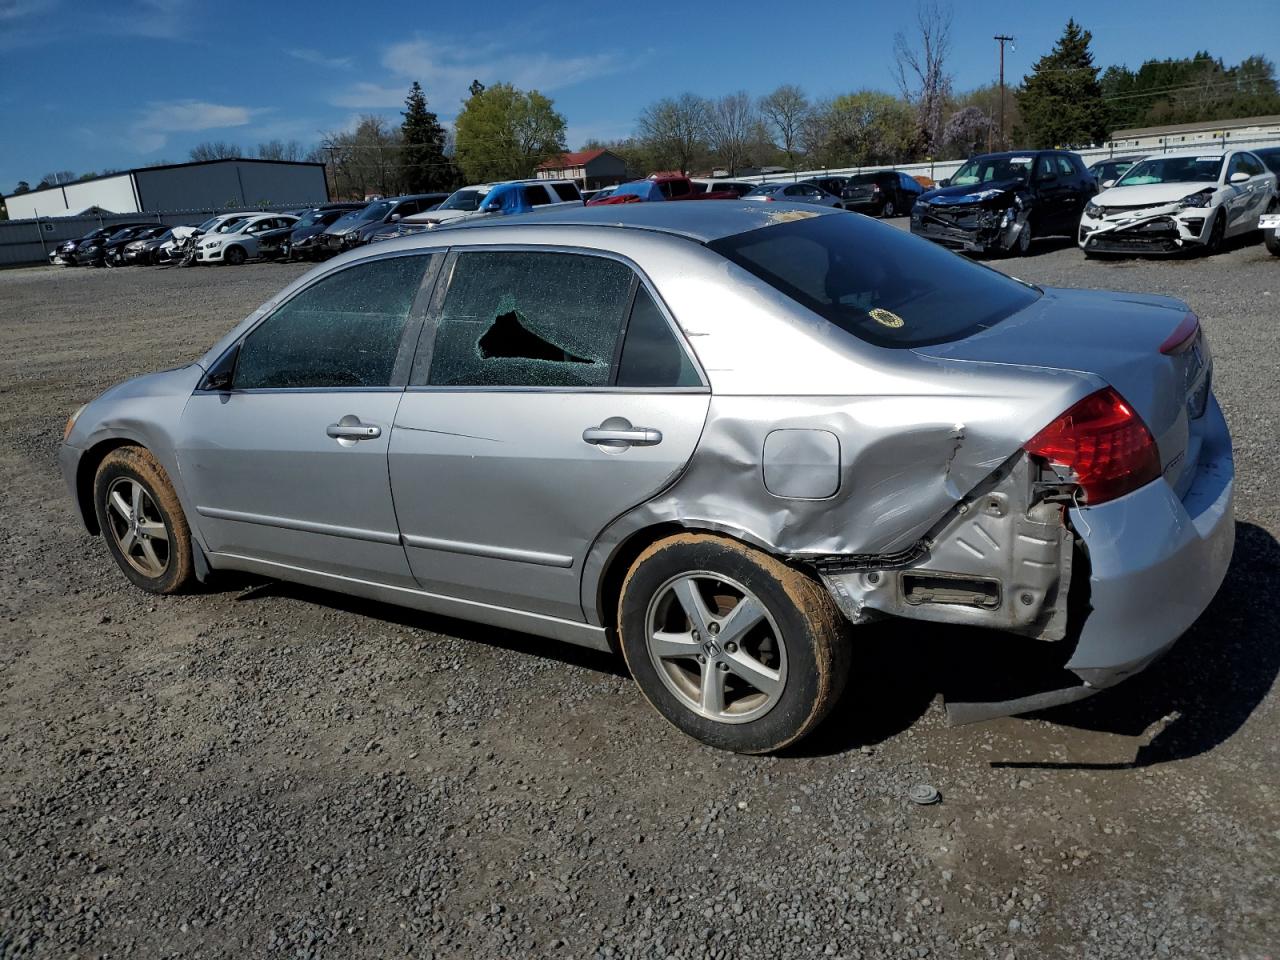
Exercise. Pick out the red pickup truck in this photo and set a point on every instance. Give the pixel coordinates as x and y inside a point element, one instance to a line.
<point>663,186</point>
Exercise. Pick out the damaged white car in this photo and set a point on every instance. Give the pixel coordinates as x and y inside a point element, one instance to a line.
<point>1179,201</point>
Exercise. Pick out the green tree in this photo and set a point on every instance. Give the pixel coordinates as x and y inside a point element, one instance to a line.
<point>424,167</point>
<point>504,133</point>
<point>1061,99</point>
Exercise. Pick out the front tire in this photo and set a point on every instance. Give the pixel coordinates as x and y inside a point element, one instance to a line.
<point>729,644</point>
<point>234,256</point>
<point>142,521</point>
<point>888,211</point>
<point>1217,234</point>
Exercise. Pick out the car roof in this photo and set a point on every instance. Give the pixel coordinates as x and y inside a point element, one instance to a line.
<point>700,220</point>
<point>1209,150</point>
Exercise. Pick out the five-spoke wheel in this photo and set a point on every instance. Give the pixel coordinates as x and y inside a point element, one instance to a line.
<point>731,645</point>
<point>142,521</point>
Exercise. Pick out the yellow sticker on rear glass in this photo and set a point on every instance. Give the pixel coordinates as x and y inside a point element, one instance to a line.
<point>887,319</point>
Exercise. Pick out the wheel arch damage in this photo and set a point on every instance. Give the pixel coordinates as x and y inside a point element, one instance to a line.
<point>900,468</point>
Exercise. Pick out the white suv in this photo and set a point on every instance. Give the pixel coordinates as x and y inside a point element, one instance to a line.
<point>469,201</point>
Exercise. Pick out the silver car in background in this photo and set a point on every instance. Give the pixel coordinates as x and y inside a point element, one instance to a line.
<point>713,436</point>
<point>802,192</point>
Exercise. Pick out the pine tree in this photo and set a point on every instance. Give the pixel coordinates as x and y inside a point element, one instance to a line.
<point>424,167</point>
<point>1061,99</point>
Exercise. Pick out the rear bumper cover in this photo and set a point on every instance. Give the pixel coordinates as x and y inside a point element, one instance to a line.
<point>1157,562</point>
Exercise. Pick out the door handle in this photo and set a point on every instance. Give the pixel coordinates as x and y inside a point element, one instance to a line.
<point>617,432</point>
<point>349,429</point>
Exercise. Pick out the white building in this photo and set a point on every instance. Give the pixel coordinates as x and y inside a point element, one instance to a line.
<point>1174,136</point>
<point>210,184</point>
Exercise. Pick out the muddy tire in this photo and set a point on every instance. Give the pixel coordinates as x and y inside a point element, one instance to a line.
<point>733,647</point>
<point>142,521</point>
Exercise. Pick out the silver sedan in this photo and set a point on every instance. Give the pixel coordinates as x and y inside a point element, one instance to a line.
<point>713,436</point>
<point>803,192</point>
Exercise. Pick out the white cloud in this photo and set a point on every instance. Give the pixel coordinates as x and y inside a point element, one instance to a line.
<point>371,96</point>
<point>189,115</point>
<point>446,69</point>
<point>159,119</point>
<point>307,55</point>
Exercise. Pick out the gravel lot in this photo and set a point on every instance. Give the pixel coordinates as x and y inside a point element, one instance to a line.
<point>266,770</point>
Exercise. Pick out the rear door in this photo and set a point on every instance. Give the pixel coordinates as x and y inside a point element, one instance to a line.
<point>288,464</point>
<point>550,394</point>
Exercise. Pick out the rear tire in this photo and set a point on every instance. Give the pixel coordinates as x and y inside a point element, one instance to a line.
<point>729,644</point>
<point>142,521</point>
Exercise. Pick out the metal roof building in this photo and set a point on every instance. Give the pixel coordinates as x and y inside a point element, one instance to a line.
<point>180,186</point>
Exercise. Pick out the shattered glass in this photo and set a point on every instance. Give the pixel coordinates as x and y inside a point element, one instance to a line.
<point>343,331</point>
<point>513,318</point>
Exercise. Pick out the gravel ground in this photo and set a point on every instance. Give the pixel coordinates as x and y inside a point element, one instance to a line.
<point>265,770</point>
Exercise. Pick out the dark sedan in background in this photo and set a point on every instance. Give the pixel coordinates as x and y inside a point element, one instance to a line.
<point>1112,168</point>
<point>305,239</point>
<point>359,226</point>
<point>1000,202</point>
<point>64,253</point>
<point>100,251</point>
<point>886,193</point>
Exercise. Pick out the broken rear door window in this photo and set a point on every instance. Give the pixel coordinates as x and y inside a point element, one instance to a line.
<point>524,319</point>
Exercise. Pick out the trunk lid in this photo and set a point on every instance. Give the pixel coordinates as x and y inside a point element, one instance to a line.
<point>1116,337</point>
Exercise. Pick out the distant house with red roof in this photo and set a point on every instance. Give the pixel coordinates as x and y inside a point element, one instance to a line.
<point>590,169</point>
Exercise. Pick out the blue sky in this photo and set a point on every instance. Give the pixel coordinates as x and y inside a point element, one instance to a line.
<point>86,85</point>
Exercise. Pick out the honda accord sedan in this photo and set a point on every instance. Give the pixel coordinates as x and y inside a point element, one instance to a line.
<point>715,438</point>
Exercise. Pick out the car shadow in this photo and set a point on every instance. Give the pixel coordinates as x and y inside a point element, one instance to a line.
<point>522,643</point>
<point>1194,698</point>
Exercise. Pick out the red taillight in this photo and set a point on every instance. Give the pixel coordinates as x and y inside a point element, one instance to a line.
<point>1104,445</point>
<point>1184,334</point>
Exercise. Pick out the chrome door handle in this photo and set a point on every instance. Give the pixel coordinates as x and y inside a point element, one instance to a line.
<point>614,434</point>
<point>350,428</point>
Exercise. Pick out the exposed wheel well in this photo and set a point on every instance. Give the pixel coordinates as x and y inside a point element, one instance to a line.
<point>609,590</point>
<point>86,470</point>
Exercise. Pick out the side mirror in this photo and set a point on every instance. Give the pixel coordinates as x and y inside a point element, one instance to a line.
<point>394,218</point>
<point>944,182</point>
<point>493,206</point>
<point>1239,177</point>
<point>1108,184</point>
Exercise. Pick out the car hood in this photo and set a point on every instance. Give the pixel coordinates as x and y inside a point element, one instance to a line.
<point>1114,337</point>
<point>440,216</point>
<point>1149,194</point>
<point>310,230</point>
<point>972,193</point>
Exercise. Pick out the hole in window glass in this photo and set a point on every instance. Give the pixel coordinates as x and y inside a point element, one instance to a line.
<point>651,354</point>
<point>344,331</point>
<point>530,319</point>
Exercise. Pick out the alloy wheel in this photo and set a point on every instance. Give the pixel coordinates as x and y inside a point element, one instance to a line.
<point>138,527</point>
<point>716,647</point>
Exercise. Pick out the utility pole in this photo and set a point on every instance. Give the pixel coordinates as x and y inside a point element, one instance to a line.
<point>1002,39</point>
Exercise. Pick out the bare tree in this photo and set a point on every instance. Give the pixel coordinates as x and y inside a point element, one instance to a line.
<point>676,128</point>
<point>784,111</point>
<point>278,150</point>
<point>731,129</point>
<point>58,177</point>
<point>920,69</point>
<point>364,161</point>
<point>215,150</point>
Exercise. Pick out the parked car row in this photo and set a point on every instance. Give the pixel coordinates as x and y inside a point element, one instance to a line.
<point>1001,202</point>
<point>994,203</point>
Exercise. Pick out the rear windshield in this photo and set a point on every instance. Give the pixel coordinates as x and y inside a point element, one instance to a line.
<point>878,283</point>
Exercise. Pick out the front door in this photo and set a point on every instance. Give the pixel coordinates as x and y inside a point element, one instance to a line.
<point>288,465</point>
<point>550,395</point>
